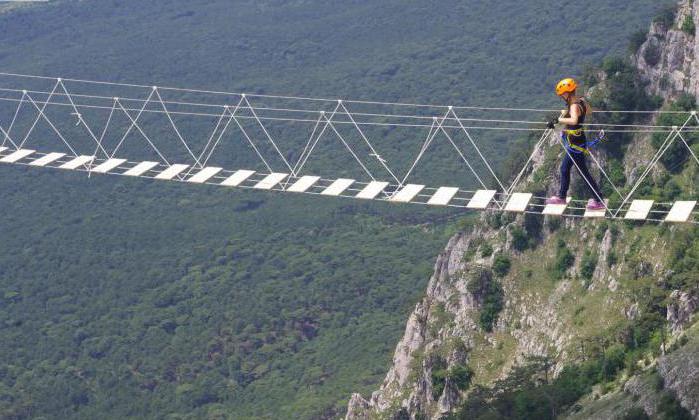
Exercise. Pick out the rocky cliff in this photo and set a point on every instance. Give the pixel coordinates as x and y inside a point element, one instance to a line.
<point>541,316</point>
<point>514,288</point>
<point>666,60</point>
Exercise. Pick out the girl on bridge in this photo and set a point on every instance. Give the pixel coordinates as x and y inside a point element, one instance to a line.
<point>576,145</point>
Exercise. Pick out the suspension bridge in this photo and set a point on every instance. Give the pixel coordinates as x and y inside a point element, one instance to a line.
<point>364,150</point>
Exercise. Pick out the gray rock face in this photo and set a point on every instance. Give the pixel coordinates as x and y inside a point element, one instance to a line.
<point>680,309</point>
<point>408,381</point>
<point>632,312</point>
<point>358,408</point>
<point>680,372</point>
<point>666,59</point>
<point>644,391</point>
<point>450,397</point>
<point>444,326</point>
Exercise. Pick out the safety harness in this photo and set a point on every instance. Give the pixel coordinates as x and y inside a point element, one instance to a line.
<point>575,138</point>
<point>584,148</point>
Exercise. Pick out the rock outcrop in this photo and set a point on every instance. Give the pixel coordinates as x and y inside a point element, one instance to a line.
<point>445,330</point>
<point>680,309</point>
<point>680,373</point>
<point>408,383</point>
<point>667,59</point>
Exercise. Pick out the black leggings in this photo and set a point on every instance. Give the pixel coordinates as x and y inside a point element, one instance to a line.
<point>578,159</point>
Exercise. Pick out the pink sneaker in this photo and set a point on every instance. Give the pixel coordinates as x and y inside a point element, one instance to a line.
<point>556,200</point>
<point>594,204</point>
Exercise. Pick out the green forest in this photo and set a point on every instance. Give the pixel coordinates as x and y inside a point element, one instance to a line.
<point>126,299</point>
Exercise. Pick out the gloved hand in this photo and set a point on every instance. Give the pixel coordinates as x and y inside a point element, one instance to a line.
<point>550,125</point>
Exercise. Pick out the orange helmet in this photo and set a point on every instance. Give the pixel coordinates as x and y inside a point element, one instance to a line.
<point>566,85</point>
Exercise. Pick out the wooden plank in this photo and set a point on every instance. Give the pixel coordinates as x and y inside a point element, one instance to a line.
<point>303,183</point>
<point>237,178</point>
<point>17,155</point>
<point>680,211</point>
<point>372,189</point>
<point>204,175</point>
<point>639,209</point>
<point>270,181</point>
<point>107,165</point>
<point>77,162</point>
<point>407,193</point>
<point>443,196</point>
<point>338,186</point>
<point>45,160</point>
<point>172,171</point>
<point>591,214</point>
<point>141,168</point>
<point>556,209</point>
<point>518,202</point>
<point>481,199</point>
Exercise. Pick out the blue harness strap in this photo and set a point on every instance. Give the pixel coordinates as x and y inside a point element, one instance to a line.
<point>588,144</point>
